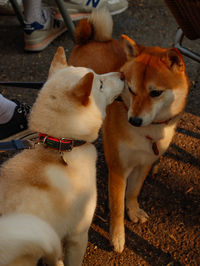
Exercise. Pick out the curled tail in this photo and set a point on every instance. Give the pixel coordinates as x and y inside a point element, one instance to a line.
<point>26,235</point>
<point>98,27</point>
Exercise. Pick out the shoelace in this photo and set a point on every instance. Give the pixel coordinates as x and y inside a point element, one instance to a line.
<point>23,108</point>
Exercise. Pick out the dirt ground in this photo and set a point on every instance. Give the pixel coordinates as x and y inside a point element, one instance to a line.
<point>171,197</point>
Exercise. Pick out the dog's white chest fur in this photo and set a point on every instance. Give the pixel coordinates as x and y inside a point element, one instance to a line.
<point>138,150</point>
<point>76,185</point>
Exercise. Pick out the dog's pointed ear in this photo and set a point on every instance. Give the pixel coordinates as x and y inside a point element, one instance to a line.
<point>82,90</point>
<point>131,48</point>
<point>173,60</point>
<point>59,61</point>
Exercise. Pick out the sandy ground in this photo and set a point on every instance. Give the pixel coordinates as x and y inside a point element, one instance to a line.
<point>171,197</point>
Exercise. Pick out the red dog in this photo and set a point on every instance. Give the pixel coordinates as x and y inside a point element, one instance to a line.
<point>139,129</point>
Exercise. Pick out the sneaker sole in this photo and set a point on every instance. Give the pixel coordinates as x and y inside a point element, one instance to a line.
<point>44,43</point>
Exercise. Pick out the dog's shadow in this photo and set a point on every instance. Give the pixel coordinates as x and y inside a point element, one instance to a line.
<point>184,203</point>
<point>98,236</point>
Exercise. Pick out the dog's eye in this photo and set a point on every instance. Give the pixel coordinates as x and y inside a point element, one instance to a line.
<point>132,92</point>
<point>101,85</point>
<point>155,93</point>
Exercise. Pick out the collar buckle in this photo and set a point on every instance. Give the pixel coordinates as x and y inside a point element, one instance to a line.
<point>69,142</point>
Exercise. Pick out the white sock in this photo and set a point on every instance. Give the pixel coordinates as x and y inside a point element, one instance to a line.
<point>33,11</point>
<point>7,108</point>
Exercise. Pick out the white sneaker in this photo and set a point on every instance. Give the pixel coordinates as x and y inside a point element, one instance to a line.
<point>37,36</point>
<point>79,9</point>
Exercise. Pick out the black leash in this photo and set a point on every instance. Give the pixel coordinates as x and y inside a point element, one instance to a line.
<point>30,85</point>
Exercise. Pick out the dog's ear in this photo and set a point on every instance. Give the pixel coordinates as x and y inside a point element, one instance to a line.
<point>131,48</point>
<point>81,91</point>
<point>173,60</point>
<point>59,61</point>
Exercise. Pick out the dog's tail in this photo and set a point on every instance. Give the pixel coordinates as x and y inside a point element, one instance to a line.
<point>26,235</point>
<point>98,27</point>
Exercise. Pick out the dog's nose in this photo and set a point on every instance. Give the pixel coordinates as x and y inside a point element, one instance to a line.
<point>135,121</point>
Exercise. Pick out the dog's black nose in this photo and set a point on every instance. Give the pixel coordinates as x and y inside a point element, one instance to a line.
<point>135,121</point>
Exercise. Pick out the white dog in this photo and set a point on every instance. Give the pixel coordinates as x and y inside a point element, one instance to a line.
<point>48,193</point>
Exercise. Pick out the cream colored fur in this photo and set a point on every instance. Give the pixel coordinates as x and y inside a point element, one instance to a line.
<point>20,233</point>
<point>102,31</point>
<point>45,187</point>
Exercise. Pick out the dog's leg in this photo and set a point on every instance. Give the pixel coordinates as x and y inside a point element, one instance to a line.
<point>59,263</point>
<point>117,185</point>
<point>134,184</point>
<point>75,249</point>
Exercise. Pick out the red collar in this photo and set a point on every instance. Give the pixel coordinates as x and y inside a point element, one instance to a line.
<point>154,145</point>
<point>62,144</point>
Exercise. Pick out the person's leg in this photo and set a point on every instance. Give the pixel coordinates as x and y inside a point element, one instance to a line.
<point>7,109</point>
<point>42,25</point>
<point>13,119</point>
<point>33,11</point>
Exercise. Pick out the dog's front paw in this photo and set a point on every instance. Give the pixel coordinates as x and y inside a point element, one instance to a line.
<point>117,238</point>
<point>59,263</point>
<point>136,214</point>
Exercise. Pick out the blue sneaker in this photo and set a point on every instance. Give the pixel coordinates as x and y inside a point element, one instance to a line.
<point>37,36</point>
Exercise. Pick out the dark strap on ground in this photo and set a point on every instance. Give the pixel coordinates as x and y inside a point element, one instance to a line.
<point>15,145</point>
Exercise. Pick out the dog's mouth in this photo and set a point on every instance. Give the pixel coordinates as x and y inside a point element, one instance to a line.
<point>138,122</point>
<point>141,122</point>
<point>117,98</point>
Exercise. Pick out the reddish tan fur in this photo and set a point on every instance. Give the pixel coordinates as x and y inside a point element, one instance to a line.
<point>105,56</point>
<point>83,32</point>
<point>128,151</point>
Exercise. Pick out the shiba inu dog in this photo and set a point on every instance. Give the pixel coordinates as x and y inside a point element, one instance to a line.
<point>48,194</point>
<point>138,129</point>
